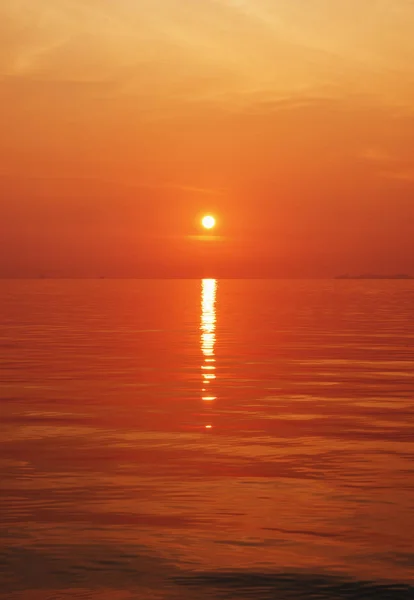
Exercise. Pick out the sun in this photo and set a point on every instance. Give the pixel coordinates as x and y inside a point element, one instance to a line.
<point>208,222</point>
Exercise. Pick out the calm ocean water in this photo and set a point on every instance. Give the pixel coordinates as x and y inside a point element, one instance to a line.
<point>206,439</point>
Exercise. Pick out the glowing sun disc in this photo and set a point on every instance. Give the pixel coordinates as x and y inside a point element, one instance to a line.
<point>208,222</point>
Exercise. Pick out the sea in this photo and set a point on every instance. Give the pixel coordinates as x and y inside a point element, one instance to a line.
<point>206,439</point>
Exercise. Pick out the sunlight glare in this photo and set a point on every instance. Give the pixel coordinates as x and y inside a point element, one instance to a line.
<point>208,329</point>
<point>208,222</point>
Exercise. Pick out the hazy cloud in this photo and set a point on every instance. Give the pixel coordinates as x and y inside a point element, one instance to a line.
<point>236,45</point>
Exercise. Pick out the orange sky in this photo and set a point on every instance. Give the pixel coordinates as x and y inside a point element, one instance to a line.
<point>121,122</point>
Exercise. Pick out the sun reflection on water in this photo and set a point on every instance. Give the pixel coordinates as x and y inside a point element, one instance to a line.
<point>208,336</point>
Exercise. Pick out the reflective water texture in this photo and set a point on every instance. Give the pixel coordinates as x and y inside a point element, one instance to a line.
<point>214,439</point>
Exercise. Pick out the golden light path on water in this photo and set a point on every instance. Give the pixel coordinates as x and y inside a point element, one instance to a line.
<point>208,337</point>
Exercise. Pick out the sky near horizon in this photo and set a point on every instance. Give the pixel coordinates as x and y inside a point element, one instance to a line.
<point>292,121</point>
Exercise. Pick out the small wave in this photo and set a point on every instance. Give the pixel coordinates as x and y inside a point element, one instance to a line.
<point>281,586</point>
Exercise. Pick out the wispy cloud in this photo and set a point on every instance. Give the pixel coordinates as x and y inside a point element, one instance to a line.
<point>376,154</point>
<point>388,164</point>
<point>183,188</point>
<point>229,50</point>
<point>402,174</point>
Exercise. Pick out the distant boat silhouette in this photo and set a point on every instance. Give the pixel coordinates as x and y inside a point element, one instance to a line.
<point>373,276</point>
